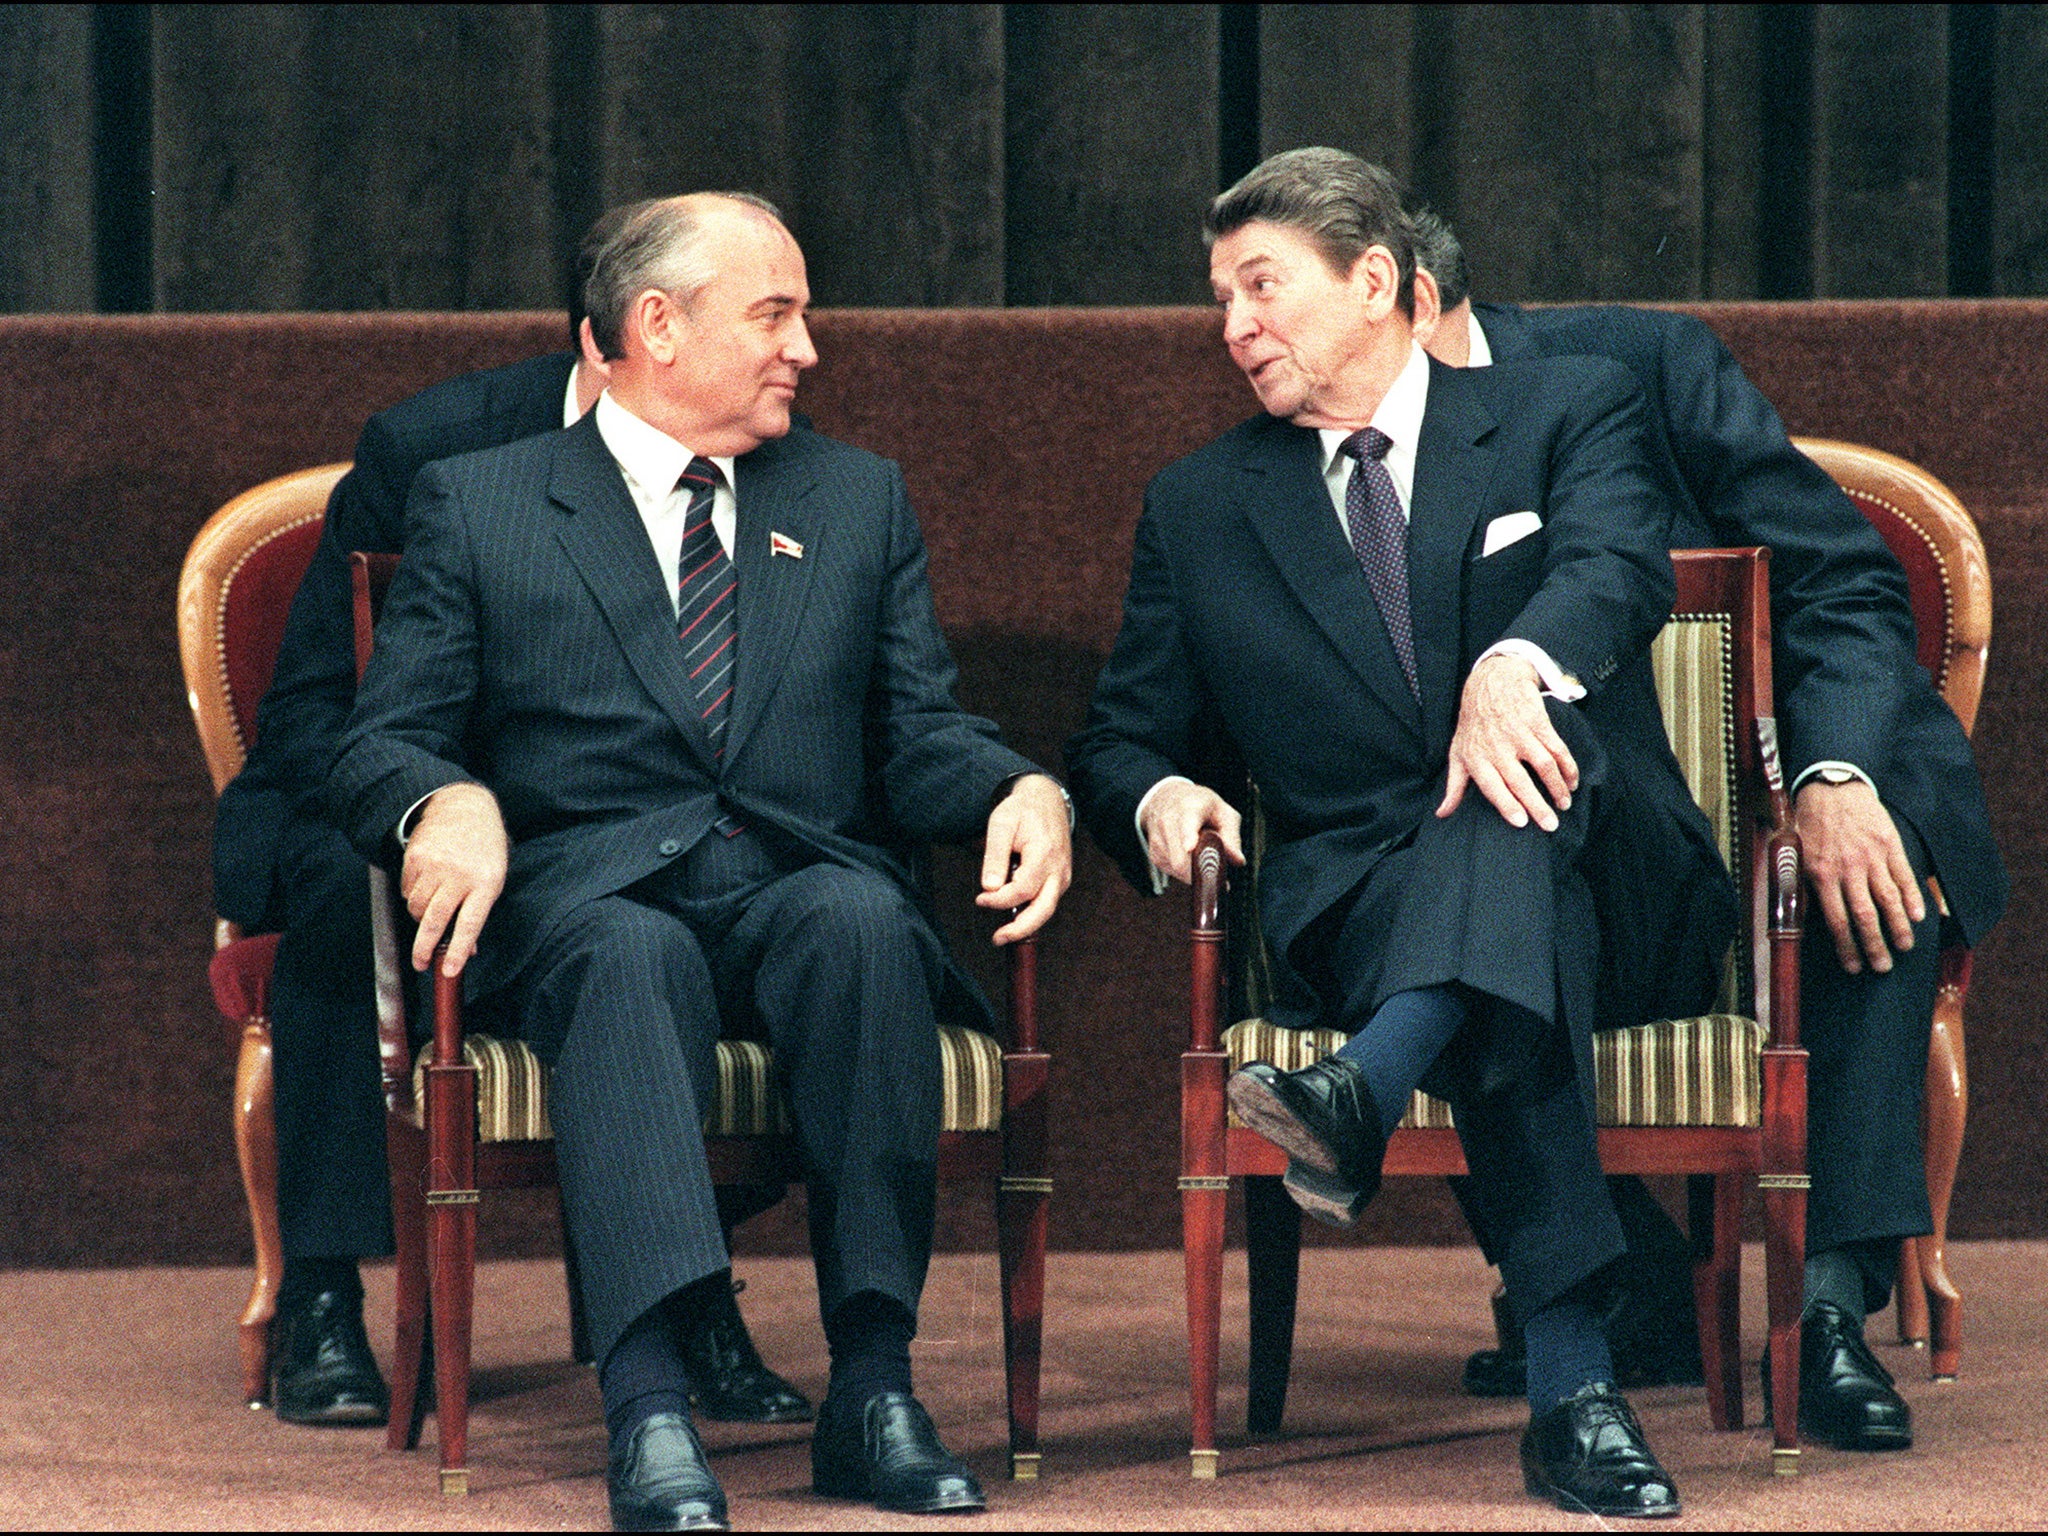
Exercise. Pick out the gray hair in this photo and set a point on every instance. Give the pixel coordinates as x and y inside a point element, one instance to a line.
<point>1438,253</point>
<point>658,243</point>
<point>1342,203</point>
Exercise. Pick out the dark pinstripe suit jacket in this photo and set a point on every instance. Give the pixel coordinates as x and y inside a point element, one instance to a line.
<point>528,642</point>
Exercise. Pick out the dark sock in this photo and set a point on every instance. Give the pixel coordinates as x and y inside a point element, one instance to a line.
<point>644,1374</point>
<point>1402,1041</point>
<point>1836,1277</point>
<point>1567,1346</point>
<point>869,1335</point>
<point>306,1278</point>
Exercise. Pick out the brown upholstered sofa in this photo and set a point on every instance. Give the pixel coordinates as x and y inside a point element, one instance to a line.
<point>1027,437</point>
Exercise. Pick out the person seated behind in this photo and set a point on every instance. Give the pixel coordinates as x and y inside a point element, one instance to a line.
<point>668,813</point>
<point>1449,776</point>
<point>1886,793</point>
<point>279,867</point>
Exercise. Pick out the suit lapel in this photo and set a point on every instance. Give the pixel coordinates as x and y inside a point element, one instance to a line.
<point>1288,505</point>
<point>773,493</point>
<point>607,542</point>
<point>1452,470</point>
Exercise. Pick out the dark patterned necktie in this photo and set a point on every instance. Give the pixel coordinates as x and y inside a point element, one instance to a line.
<point>1379,537</point>
<point>706,599</point>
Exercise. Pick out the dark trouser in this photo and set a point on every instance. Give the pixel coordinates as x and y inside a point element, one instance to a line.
<point>1505,915</point>
<point>838,969</point>
<point>333,1187</point>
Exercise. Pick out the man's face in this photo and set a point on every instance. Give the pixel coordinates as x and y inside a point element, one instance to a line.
<point>1298,330</point>
<point>740,341</point>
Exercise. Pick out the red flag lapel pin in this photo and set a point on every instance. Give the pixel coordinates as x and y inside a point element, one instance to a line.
<point>783,544</point>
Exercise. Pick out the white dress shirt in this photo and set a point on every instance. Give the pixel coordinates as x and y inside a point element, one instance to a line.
<point>652,463</point>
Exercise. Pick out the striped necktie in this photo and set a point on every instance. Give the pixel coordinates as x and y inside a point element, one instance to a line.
<point>1379,537</point>
<point>707,596</point>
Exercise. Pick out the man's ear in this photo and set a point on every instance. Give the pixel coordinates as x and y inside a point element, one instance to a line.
<point>593,356</point>
<point>1429,305</point>
<point>651,323</point>
<point>1376,279</point>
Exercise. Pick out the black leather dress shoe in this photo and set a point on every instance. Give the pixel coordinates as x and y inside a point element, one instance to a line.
<point>728,1379</point>
<point>1588,1454</point>
<point>659,1479</point>
<point>322,1371</point>
<point>886,1450</point>
<point>1846,1398</point>
<point>1324,1118</point>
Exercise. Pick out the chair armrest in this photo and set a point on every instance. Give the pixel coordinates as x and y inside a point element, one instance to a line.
<point>1780,895</point>
<point>1024,995</point>
<point>1211,883</point>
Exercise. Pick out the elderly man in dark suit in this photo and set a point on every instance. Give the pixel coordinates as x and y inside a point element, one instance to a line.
<point>1886,794</point>
<point>1416,604</point>
<point>661,696</point>
<point>279,866</point>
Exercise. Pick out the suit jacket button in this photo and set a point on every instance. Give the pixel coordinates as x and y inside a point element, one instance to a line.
<point>670,848</point>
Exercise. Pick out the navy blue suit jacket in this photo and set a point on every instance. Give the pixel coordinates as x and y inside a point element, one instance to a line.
<point>529,642</point>
<point>300,720</point>
<point>1843,663</point>
<point>1249,620</point>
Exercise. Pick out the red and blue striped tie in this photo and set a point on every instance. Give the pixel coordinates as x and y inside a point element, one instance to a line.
<point>707,595</point>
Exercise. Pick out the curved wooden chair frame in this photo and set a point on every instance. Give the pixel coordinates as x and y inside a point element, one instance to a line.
<point>1949,579</point>
<point>233,591</point>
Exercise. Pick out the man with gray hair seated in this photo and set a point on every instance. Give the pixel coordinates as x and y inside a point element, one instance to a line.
<point>1886,794</point>
<point>655,702</point>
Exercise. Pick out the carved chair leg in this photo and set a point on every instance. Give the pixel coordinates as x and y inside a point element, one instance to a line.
<point>256,1151</point>
<point>1715,1216</point>
<point>1273,1258</point>
<point>1204,1193</point>
<point>1948,1104</point>
<point>409,1358</point>
<point>451,1197</point>
<point>1785,1281</point>
<point>1021,1208</point>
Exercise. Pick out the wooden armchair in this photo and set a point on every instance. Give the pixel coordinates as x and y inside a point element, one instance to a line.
<point>1949,580</point>
<point>470,1114</point>
<point>233,594</point>
<point>1721,1097</point>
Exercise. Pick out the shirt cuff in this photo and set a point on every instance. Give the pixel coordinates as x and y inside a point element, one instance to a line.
<point>1557,682</point>
<point>1160,879</point>
<point>403,831</point>
<point>1003,793</point>
<point>1826,763</point>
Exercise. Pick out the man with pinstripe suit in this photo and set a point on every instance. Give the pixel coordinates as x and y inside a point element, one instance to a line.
<point>660,696</point>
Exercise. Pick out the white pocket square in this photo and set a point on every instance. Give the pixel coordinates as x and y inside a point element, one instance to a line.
<point>1512,529</point>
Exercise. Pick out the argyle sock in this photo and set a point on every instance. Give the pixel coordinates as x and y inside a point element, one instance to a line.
<point>869,1335</point>
<point>1567,1345</point>
<point>1836,1277</point>
<point>644,1374</point>
<point>1402,1041</point>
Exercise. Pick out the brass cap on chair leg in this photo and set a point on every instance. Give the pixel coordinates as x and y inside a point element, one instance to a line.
<point>1024,1466</point>
<point>1785,1460</point>
<point>454,1482</point>
<point>1202,1464</point>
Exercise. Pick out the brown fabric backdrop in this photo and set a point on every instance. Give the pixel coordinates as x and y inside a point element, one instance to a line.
<point>1027,437</point>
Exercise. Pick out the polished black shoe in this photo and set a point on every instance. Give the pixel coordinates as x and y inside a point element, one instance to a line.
<point>659,1479</point>
<point>321,1370</point>
<point>1324,1118</point>
<point>729,1381</point>
<point>1588,1455</point>
<point>1846,1398</point>
<point>887,1450</point>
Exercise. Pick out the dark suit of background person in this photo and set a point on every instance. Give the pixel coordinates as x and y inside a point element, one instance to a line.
<point>1850,693</point>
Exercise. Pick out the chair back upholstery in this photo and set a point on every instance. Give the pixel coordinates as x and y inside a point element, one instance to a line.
<point>1937,542</point>
<point>233,594</point>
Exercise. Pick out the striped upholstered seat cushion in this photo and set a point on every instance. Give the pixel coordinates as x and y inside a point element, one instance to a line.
<point>1703,1071</point>
<point>511,1097</point>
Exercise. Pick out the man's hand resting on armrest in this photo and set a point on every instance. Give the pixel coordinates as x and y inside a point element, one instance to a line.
<point>1503,733</point>
<point>1028,827</point>
<point>1176,813</point>
<point>454,871</point>
<point>1859,871</point>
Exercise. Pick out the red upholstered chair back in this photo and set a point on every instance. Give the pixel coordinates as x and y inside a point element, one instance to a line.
<point>233,595</point>
<point>1937,542</point>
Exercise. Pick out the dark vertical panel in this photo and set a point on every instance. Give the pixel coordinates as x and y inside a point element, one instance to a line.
<point>1111,158</point>
<point>1881,150</point>
<point>1972,128</point>
<point>1338,75</point>
<point>1732,152</point>
<point>1785,190</point>
<point>403,153</point>
<point>877,129</point>
<point>1237,92</point>
<point>1434,73</point>
<point>574,85</point>
<point>46,158</point>
<point>2019,232</point>
<point>121,155</point>
<point>1577,142</point>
